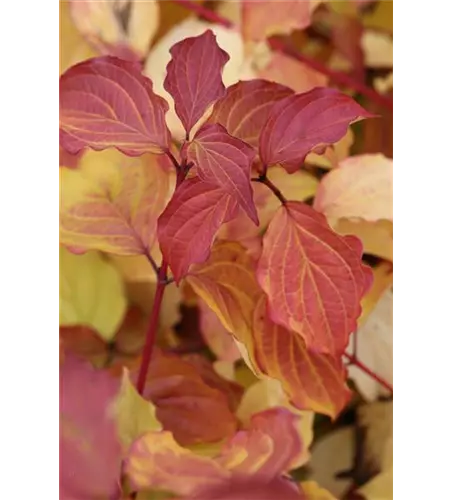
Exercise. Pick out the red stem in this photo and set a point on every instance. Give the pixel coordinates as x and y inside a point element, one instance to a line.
<point>152,328</point>
<point>267,182</point>
<point>281,46</point>
<point>354,361</point>
<point>162,281</point>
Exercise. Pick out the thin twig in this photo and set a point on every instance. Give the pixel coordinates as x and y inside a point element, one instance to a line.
<point>267,182</point>
<point>282,46</point>
<point>173,160</point>
<point>368,371</point>
<point>151,333</point>
<point>153,264</point>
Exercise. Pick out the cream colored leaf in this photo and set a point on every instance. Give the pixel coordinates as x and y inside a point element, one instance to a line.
<point>378,49</point>
<point>116,25</point>
<point>360,188</point>
<point>91,293</point>
<point>374,348</point>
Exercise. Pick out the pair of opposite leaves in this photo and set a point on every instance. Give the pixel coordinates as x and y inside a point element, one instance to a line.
<point>106,102</point>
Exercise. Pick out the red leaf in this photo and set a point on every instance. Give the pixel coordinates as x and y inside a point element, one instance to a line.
<point>190,221</point>
<point>225,161</point>
<point>313,277</point>
<point>194,410</point>
<point>301,123</point>
<point>106,102</point>
<point>90,453</point>
<point>194,76</point>
<point>245,108</point>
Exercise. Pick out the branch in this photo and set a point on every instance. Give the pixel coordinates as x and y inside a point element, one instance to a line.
<point>354,361</point>
<point>281,46</point>
<point>267,182</point>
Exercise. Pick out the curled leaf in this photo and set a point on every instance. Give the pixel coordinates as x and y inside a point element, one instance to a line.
<point>106,102</point>
<point>156,461</point>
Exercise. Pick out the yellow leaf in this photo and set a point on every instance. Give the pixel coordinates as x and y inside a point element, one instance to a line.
<point>73,48</point>
<point>111,202</point>
<point>134,415</point>
<point>376,421</point>
<point>313,491</point>
<point>380,16</point>
<point>115,26</point>
<point>228,285</point>
<point>376,237</point>
<point>298,186</point>
<point>378,49</point>
<point>380,487</point>
<point>333,154</point>
<point>91,293</point>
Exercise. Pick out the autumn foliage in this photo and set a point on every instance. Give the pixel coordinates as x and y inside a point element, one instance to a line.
<point>226,220</point>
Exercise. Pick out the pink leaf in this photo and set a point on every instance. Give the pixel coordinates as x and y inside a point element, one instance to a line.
<point>225,161</point>
<point>245,108</point>
<point>90,453</point>
<point>194,76</point>
<point>106,102</point>
<point>301,123</point>
<point>190,221</point>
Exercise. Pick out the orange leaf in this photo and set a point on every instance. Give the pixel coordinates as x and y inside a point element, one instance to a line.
<point>314,278</point>
<point>262,19</point>
<point>227,283</point>
<point>156,461</point>
<point>123,29</point>
<point>107,102</point>
<point>216,336</point>
<point>312,381</point>
<point>111,203</point>
<point>360,187</point>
